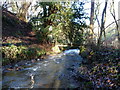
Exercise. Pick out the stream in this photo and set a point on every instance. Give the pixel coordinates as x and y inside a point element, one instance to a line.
<point>56,71</point>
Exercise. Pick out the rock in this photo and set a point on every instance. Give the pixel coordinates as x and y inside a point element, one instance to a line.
<point>56,49</point>
<point>38,59</point>
<point>16,65</point>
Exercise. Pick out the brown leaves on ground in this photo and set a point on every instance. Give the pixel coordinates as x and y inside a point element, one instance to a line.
<point>102,75</point>
<point>104,71</point>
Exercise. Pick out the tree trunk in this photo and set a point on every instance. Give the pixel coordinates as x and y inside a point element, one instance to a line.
<point>92,19</point>
<point>112,10</point>
<point>102,28</point>
<point>119,24</point>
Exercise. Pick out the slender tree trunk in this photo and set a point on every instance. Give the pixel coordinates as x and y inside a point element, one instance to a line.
<point>92,19</point>
<point>102,28</point>
<point>112,10</point>
<point>119,24</point>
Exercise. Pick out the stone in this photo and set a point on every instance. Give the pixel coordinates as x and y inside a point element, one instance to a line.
<point>56,49</point>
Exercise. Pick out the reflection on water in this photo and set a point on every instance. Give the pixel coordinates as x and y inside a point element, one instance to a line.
<point>54,72</point>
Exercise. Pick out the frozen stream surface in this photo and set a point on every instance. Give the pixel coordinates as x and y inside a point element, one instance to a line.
<point>56,71</point>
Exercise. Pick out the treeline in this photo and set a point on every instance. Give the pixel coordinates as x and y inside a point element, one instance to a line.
<point>65,22</point>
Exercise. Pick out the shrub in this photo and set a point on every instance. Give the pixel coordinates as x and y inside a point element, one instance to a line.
<point>13,53</point>
<point>10,52</point>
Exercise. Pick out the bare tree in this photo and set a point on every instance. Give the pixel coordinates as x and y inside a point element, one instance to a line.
<point>97,10</point>
<point>22,11</point>
<point>112,11</point>
<point>92,18</point>
<point>102,28</point>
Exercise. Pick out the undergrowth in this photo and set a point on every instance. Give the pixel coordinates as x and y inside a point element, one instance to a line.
<point>102,67</point>
<point>16,53</point>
